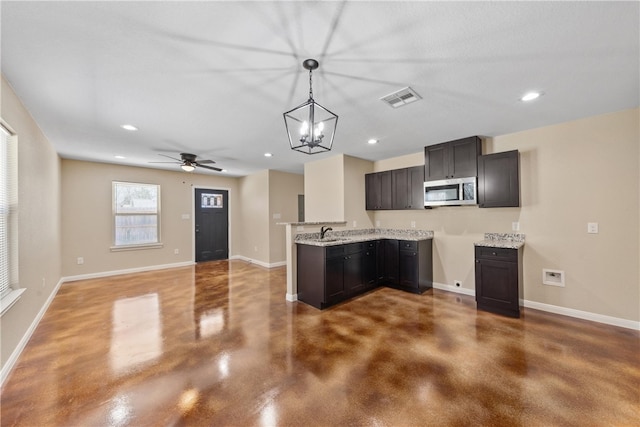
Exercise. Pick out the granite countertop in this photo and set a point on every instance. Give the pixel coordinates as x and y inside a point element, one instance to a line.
<point>502,240</point>
<point>365,235</point>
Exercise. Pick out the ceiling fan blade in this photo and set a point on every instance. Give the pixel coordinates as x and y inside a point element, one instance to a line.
<point>169,157</point>
<point>206,161</point>
<point>208,167</point>
<point>175,163</point>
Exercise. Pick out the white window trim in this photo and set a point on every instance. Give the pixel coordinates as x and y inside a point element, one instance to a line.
<point>13,294</point>
<point>134,247</point>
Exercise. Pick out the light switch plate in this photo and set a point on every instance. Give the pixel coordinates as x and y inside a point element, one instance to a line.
<point>592,228</point>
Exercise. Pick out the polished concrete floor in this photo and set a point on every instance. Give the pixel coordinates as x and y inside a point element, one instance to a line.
<point>217,344</point>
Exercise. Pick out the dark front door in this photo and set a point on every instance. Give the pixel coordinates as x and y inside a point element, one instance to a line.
<point>212,224</point>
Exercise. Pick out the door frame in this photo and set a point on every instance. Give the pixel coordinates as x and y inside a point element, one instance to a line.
<point>195,187</point>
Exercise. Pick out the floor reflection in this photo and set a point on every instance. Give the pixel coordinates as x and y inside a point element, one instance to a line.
<point>217,344</point>
<point>136,332</point>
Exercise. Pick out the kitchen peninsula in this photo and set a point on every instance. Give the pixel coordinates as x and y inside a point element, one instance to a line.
<point>334,267</point>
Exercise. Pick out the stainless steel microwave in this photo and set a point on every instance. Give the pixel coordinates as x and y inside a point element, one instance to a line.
<point>451,192</point>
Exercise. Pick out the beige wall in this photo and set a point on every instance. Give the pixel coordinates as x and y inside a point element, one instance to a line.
<point>87,218</point>
<point>354,193</point>
<point>38,221</point>
<point>571,173</point>
<point>254,216</point>
<point>284,189</point>
<point>324,189</point>
<point>335,189</point>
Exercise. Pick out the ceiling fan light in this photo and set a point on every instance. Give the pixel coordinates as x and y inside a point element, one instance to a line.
<point>530,96</point>
<point>187,167</point>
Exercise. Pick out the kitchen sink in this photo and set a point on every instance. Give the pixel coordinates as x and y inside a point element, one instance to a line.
<point>330,239</point>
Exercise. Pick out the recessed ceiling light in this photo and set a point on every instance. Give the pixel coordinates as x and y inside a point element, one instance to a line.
<point>129,127</point>
<point>530,96</point>
<point>120,157</point>
<point>268,154</point>
<point>372,141</point>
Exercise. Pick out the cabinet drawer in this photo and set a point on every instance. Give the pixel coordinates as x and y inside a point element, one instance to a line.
<point>334,251</point>
<point>352,248</point>
<point>406,245</point>
<point>502,254</point>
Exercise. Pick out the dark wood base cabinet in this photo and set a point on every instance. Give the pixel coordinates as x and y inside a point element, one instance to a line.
<point>414,266</point>
<point>498,280</point>
<point>328,275</point>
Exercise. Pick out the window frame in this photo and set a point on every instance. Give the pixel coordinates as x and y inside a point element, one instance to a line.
<point>115,214</point>
<point>13,292</point>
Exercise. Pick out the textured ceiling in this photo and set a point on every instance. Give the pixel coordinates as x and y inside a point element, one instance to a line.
<point>213,78</point>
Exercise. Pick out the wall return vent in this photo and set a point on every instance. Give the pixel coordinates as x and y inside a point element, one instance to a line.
<point>401,97</point>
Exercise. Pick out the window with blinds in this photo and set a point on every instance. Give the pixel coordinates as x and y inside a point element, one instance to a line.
<point>136,215</point>
<point>8,212</point>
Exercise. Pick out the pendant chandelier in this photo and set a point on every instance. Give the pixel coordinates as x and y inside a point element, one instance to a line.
<point>310,126</point>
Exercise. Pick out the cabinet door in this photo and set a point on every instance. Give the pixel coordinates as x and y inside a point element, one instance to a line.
<point>334,280</point>
<point>369,268</point>
<point>378,191</point>
<point>400,180</point>
<point>436,162</point>
<point>386,190</point>
<point>497,285</point>
<point>416,187</point>
<point>408,269</point>
<point>372,191</point>
<point>498,180</point>
<point>353,282</point>
<point>391,261</point>
<point>463,157</point>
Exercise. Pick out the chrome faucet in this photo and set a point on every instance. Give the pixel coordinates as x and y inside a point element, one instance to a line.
<point>323,231</point>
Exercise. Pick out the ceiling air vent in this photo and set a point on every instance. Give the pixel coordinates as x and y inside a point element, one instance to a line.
<point>401,97</point>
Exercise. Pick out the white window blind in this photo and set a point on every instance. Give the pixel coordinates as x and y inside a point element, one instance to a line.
<point>136,212</point>
<point>8,210</point>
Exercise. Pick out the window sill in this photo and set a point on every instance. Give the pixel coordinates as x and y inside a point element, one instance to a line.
<point>136,247</point>
<point>10,299</point>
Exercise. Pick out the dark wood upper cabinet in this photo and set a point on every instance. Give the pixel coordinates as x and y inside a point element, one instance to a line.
<point>408,186</point>
<point>379,191</point>
<point>499,180</point>
<point>453,159</point>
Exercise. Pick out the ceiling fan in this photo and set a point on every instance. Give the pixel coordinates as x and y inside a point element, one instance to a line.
<point>188,162</point>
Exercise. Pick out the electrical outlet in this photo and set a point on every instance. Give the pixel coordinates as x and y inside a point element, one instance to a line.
<point>255,249</point>
<point>44,282</point>
<point>355,224</point>
<point>515,226</point>
<point>413,224</point>
<point>186,216</point>
<point>80,260</point>
<point>176,251</point>
<point>377,223</point>
<point>458,283</point>
<point>592,228</point>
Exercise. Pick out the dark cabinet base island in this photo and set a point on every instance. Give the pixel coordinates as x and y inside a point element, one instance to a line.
<point>499,273</point>
<point>345,264</point>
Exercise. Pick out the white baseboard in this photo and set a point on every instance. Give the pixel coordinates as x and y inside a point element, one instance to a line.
<point>291,297</point>
<point>11,361</point>
<point>579,314</point>
<point>258,262</point>
<point>126,271</point>
<point>455,289</point>
<point>570,312</point>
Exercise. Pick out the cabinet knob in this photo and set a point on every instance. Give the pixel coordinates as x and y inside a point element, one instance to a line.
<point>494,253</point>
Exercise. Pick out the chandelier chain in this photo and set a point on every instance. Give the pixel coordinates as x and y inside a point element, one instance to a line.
<point>310,86</point>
